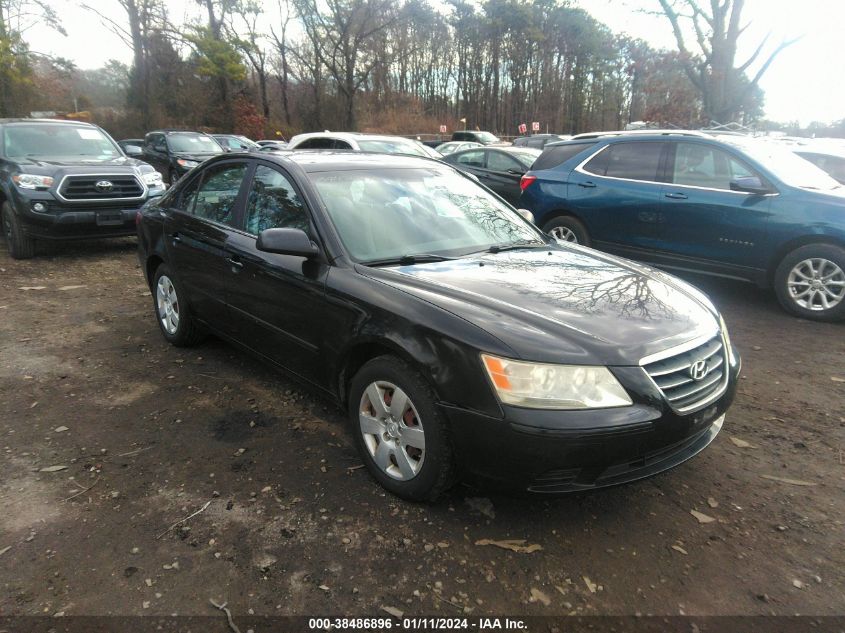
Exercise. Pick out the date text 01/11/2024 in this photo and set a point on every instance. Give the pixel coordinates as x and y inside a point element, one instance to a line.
<point>416,624</point>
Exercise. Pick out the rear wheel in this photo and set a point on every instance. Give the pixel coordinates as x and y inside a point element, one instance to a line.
<point>810,282</point>
<point>21,245</point>
<point>399,432</point>
<point>173,313</point>
<point>567,229</point>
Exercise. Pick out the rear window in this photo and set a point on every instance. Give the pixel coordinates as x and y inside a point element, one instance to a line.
<point>632,161</point>
<point>559,154</point>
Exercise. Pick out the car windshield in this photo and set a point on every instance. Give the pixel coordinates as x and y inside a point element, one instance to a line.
<point>193,143</point>
<point>393,213</point>
<point>391,147</point>
<point>791,169</point>
<point>46,140</point>
<point>486,137</point>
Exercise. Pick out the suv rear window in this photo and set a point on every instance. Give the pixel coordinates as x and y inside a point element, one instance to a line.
<point>632,161</point>
<point>559,154</point>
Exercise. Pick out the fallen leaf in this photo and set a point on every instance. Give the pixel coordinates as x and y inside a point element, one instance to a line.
<point>590,584</point>
<point>396,613</point>
<point>741,443</point>
<point>786,480</point>
<point>797,584</point>
<point>324,587</point>
<point>71,287</point>
<point>712,502</point>
<point>680,549</point>
<point>837,379</point>
<point>702,518</point>
<point>53,469</point>
<point>32,287</point>
<point>60,429</point>
<point>514,545</point>
<point>5,549</point>
<point>539,596</point>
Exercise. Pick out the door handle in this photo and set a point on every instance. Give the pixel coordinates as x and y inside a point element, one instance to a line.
<point>589,184</point>
<point>236,262</point>
<point>176,238</point>
<point>676,196</point>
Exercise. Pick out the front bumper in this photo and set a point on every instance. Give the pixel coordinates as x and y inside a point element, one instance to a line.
<point>566,451</point>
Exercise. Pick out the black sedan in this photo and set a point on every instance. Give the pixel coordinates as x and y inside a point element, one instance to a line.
<point>499,168</point>
<point>459,338</point>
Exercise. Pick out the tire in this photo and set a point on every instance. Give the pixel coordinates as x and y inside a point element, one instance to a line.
<point>417,462</point>
<point>21,245</point>
<point>173,314</point>
<point>172,178</point>
<point>565,228</point>
<point>810,282</point>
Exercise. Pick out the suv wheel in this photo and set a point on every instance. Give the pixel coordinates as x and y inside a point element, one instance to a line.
<point>172,311</point>
<point>567,229</point>
<point>399,432</point>
<point>810,282</point>
<point>21,245</point>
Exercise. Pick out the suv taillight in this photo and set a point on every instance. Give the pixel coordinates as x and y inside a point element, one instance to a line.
<point>526,181</point>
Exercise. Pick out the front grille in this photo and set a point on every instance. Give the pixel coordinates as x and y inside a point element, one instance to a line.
<point>674,375</point>
<point>58,207</point>
<point>85,188</point>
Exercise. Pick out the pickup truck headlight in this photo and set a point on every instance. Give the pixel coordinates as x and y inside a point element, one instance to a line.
<point>32,181</point>
<point>152,179</point>
<point>187,164</point>
<point>546,386</point>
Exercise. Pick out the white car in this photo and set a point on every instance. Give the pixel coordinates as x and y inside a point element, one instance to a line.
<point>450,147</point>
<point>381,144</point>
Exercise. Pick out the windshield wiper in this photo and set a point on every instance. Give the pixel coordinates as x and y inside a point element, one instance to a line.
<point>407,260</point>
<point>512,246</point>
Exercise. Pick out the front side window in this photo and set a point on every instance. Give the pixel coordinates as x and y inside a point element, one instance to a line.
<point>699,165</point>
<point>273,203</point>
<point>218,193</point>
<point>433,211</point>
<point>47,140</point>
<point>631,161</point>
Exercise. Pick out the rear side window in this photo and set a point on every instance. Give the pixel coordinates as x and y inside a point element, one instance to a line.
<point>216,197</point>
<point>631,161</point>
<point>559,154</point>
<point>471,159</point>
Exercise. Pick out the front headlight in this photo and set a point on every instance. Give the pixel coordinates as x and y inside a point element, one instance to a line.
<point>546,386</point>
<point>32,181</point>
<point>187,164</point>
<point>726,339</point>
<point>153,179</point>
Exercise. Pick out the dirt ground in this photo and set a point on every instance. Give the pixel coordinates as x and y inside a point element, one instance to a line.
<point>110,436</point>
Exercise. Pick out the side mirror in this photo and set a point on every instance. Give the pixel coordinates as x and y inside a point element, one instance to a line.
<point>525,213</point>
<point>286,242</point>
<point>133,150</point>
<point>749,184</point>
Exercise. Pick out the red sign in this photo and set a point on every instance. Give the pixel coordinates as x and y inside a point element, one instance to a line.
<point>443,129</point>
<point>535,126</point>
<point>523,128</point>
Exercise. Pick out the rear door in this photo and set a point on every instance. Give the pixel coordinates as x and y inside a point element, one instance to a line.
<point>277,301</point>
<point>702,219</point>
<point>197,228</point>
<point>617,193</point>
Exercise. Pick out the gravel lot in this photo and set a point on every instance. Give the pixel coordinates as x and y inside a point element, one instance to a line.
<point>110,436</point>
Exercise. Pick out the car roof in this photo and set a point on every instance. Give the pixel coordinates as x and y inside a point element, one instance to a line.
<point>330,160</point>
<point>57,121</point>
<point>352,136</point>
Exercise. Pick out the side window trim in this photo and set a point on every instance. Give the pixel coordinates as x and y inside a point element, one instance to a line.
<point>580,167</point>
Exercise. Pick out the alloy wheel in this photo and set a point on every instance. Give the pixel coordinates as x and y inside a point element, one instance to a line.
<point>392,430</point>
<point>168,304</point>
<point>563,234</point>
<point>816,284</point>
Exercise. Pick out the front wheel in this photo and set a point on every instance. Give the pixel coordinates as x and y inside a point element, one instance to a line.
<point>567,229</point>
<point>399,432</point>
<point>810,282</point>
<point>21,245</point>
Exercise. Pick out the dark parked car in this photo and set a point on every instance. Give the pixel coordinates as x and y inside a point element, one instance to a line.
<point>176,152</point>
<point>235,142</point>
<point>539,141</point>
<point>63,180</point>
<point>726,206</point>
<point>499,168</point>
<point>459,338</point>
<point>133,147</point>
<point>485,138</point>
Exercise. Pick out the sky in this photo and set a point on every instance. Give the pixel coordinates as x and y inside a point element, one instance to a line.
<point>805,83</point>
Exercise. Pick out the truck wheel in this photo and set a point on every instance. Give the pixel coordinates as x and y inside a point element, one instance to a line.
<point>21,245</point>
<point>567,229</point>
<point>810,282</point>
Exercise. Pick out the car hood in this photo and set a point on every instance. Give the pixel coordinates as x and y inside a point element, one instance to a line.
<point>79,161</point>
<point>562,304</point>
<point>197,156</point>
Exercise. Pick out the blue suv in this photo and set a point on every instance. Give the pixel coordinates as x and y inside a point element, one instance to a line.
<point>729,206</point>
